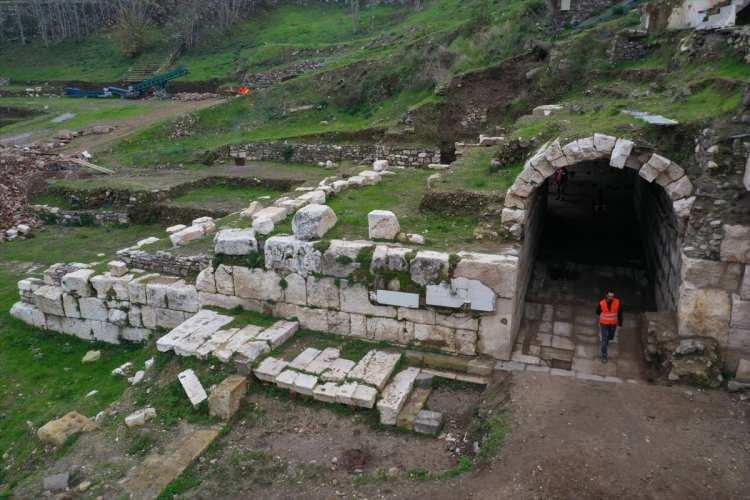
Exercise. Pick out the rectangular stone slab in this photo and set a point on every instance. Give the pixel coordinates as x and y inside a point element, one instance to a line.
<point>327,392</point>
<point>192,386</point>
<point>323,361</point>
<point>395,395</point>
<point>253,350</point>
<point>375,368</point>
<point>244,335</point>
<point>304,358</point>
<point>215,341</point>
<point>338,370</point>
<point>364,396</point>
<point>204,320</point>
<point>279,332</point>
<point>286,379</point>
<point>401,299</point>
<point>305,384</point>
<point>270,368</point>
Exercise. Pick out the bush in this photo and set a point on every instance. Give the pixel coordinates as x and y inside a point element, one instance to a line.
<point>134,32</point>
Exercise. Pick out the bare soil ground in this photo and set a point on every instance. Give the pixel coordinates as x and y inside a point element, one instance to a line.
<point>569,439</point>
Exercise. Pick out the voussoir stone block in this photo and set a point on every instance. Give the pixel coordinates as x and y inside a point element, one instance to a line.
<point>621,152</point>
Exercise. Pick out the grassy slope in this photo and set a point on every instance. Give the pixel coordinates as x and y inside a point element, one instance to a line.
<point>42,374</point>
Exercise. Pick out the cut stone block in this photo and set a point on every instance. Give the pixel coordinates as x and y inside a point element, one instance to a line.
<point>304,358</point>
<point>346,393</point>
<point>290,254</point>
<point>192,387</point>
<point>304,384</point>
<point>364,396</point>
<point>137,288</point>
<point>276,214</point>
<point>77,282</point>
<point>322,361</point>
<point>235,242</point>
<point>414,404</point>
<point>322,292</point>
<point>375,368</point>
<point>183,297</point>
<point>93,308</point>
<point>214,342</point>
<point>401,299</point>
<point>270,368</point>
<point>278,333</point>
<point>443,295</point>
<point>383,225</point>
<point>185,236</point>
<point>286,379</point>
<point>203,321</point>
<point>429,267</point>
<point>156,290</point>
<point>327,392</point>
<point>243,336</point>
<point>338,370</point>
<point>140,417</point>
<point>620,153</point>
<point>480,297</point>
<point>743,371</point>
<point>117,268</point>
<point>256,284</point>
<point>57,431</point>
<point>29,314</point>
<point>49,300</point>
<point>313,222</point>
<point>205,282</point>
<point>428,422</point>
<point>252,351</point>
<point>226,397</point>
<point>394,396</point>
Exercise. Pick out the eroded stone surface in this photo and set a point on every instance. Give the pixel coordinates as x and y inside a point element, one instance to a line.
<point>394,396</point>
<point>375,368</point>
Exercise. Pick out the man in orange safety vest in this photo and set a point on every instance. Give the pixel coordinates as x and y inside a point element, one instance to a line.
<point>609,311</point>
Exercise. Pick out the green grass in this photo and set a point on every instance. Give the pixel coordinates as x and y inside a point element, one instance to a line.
<point>223,196</point>
<point>472,173</point>
<point>43,377</point>
<point>401,194</point>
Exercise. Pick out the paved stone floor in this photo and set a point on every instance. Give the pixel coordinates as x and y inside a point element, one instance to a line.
<point>562,336</point>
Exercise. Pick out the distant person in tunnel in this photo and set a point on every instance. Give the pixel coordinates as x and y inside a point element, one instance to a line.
<point>560,179</point>
<point>609,312</point>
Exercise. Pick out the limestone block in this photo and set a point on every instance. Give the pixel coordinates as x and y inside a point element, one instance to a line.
<point>620,153</point>
<point>93,308</point>
<point>156,290</point>
<point>148,317</point>
<point>81,328</point>
<point>424,316</point>
<point>510,216</point>
<point>495,331</point>
<point>175,228</point>
<point>522,189</point>
<point>338,370</point>
<point>604,143</point>
<point>185,236</point>
<point>547,110</point>
<point>118,317</point>
<point>137,288</point>
<point>229,302</point>
<point>58,431</point>
<point>167,318</point>
<point>480,297</point>
<point>740,313</point>
<point>742,374</point>
<point>370,178</point>
<point>243,341</point>
<point>340,258</point>
<point>278,333</point>
<point>215,342</point>
<point>355,181</point>
<point>105,332</point>
<point>735,247</point>
<point>317,197</point>
<point>394,396</point>
<point>457,320</point>
<point>312,319</point>
<point>554,154</point>
<point>192,387</point>
<point>270,368</point>
<point>134,316</point>
<point>383,225</point>
<point>681,188</point>
<point>290,254</point>
<point>235,242</point>
<point>49,300</point>
<point>327,392</point>
<point>429,267</point>
<point>225,398</point>
<point>441,337</point>
<point>375,368</point>
<point>313,222</point>
<point>224,280</point>
<point>346,393</point>
<point>702,273</point>
<point>183,297</point>
<point>285,379</point>
<point>322,292</point>
<point>29,314</point>
<point>572,152</point>
<point>133,334</point>
<point>390,330</point>
<point>531,175</point>
<point>466,342</point>
<point>263,225</point>
<point>745,285</point>
<point>304,358</point>
<point>103,284</point>
<point>304,384</point>
<point>498,272</point>
<point>683,206</point>
<point>291,205</point>
<point>117,268</point>
<point>207,223</point>
<point>256,284</point>
<point>296,289</point>
<point>70,305</point>
<point>77,282</point>
<point>364,396</point>
<point>355,298</point>
<point>338,323</point>
<point>443,295</point>
<point>276,214</point>
<point>380,165</point>
<point>704,313</point>
<point>401,299</point>
<point>339,186</point>
<point>541,165</point>
<point>322,361</point>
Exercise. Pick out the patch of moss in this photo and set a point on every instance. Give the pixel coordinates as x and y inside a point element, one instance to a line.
<point>322,245</point>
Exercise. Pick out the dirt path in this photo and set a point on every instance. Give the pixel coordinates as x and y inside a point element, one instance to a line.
<point>162,111</point>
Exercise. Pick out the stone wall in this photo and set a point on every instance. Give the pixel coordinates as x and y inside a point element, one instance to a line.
<point>164,262</point>
<point>272,77</point>
<point>628,45</point>
<point>56,215</point>
<point>573,12</point>
<point>109,307</point>
<point>359,153</point>
<point>662,240</point>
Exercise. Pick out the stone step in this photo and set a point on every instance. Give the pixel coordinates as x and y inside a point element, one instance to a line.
<point>471,365</point>
<point>461,377</point>
<point>414,404</point>
<point>395,395</point>
<point>201,322</point>
<point>375,368</point>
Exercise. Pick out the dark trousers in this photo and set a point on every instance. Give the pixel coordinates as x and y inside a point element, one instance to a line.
<point>607,334</point>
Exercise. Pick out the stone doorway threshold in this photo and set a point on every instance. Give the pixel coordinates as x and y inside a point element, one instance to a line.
<point>564,337</point>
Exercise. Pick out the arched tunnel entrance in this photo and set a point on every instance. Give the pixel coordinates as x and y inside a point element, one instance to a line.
<point>604,228</point>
